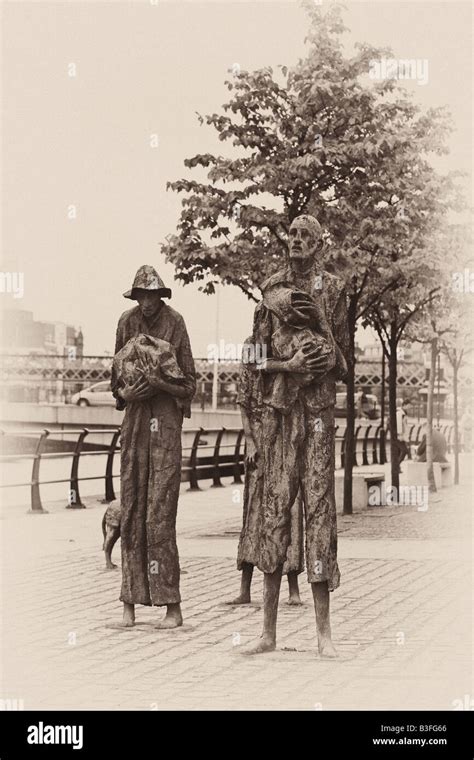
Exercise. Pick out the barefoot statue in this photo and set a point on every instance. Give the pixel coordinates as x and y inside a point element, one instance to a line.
<point>251,407</point>
<point>302,322</point>
<point>153,379</point>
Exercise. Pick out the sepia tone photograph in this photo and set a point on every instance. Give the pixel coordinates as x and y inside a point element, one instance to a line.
<point>236,360</point>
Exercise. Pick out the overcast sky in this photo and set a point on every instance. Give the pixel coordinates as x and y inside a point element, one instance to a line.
<point>143,69</point>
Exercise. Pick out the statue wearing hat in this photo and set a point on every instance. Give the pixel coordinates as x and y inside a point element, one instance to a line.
<point>153,379</point>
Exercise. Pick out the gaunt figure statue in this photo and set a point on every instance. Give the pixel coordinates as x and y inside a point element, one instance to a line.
<point>302,322</point>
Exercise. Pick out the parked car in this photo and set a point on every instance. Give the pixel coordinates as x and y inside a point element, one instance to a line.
<point>370,408</point>
<point>99,394</point>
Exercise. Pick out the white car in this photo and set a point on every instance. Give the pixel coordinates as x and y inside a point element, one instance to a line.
<point>98,394</point>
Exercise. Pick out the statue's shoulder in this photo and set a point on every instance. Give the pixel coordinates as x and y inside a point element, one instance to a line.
<point>128,316</point>
<point>275,279</point>
<point>174,315</point>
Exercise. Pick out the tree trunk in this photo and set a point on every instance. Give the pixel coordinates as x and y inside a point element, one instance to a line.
<point>383,451</point>
<point>429,418</point>
<point>392,407</point>
<point>456,418</point>
<point>349,449</point>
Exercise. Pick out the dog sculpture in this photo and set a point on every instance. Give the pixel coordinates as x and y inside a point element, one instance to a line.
<point>111,532</point>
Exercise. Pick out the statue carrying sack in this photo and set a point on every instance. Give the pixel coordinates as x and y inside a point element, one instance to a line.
<point>145,356</point>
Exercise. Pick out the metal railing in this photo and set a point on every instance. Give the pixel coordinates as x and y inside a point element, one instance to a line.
<point>40,454</point>
<point>201,460</point>
<point>223,457</point>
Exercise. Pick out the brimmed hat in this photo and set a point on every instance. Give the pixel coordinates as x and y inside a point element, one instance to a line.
<point>147,278</point>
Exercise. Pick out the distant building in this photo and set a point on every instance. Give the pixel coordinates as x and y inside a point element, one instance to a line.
<point>23,343</point>
<point>21,334</point>
<point>407,352</point>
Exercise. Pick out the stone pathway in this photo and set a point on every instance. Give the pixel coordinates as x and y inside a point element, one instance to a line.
<point>401,618</point>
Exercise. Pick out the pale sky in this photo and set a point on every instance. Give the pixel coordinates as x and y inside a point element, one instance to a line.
<point>143,69</point>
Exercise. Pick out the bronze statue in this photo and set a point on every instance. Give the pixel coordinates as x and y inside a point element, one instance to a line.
<point>251,407</point>
<point>152,339</point>
<point>110,532</point>
<point>302,321</point>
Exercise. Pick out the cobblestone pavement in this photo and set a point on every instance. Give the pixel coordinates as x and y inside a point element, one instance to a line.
<point>401,618</point>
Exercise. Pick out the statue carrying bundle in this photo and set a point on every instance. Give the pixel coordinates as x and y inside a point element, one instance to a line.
<point>143,355</point>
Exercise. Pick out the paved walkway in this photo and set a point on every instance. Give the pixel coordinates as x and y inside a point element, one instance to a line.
<point>401,618</point>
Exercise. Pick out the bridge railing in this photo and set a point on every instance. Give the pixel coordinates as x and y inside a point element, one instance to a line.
<point>211,454</point>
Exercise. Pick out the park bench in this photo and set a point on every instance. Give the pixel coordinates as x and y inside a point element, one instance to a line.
<point>416,473</point>
<point>361,482</point>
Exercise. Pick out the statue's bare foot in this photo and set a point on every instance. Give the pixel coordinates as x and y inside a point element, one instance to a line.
<point>172,619</point>
<point>110,566</point>
<point>265,644</point>
<point>294,600</point>
<point>326,648</point>
<point>240,599</point>
<point>128,620</point>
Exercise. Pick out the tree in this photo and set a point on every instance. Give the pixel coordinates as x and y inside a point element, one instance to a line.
<point>391,317</point>
<point>457,341</point>
<point>320,138</point>
<point>438,325</point>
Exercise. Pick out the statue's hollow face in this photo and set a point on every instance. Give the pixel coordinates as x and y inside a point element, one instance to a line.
<point>149,301</point>
<point>305,239</point>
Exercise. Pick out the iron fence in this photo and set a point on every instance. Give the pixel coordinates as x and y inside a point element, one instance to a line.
<point>214,453</point>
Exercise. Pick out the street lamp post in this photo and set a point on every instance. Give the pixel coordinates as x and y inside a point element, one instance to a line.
<point>439,386</point>
<point>382,414</point>
<point>215,373</point>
